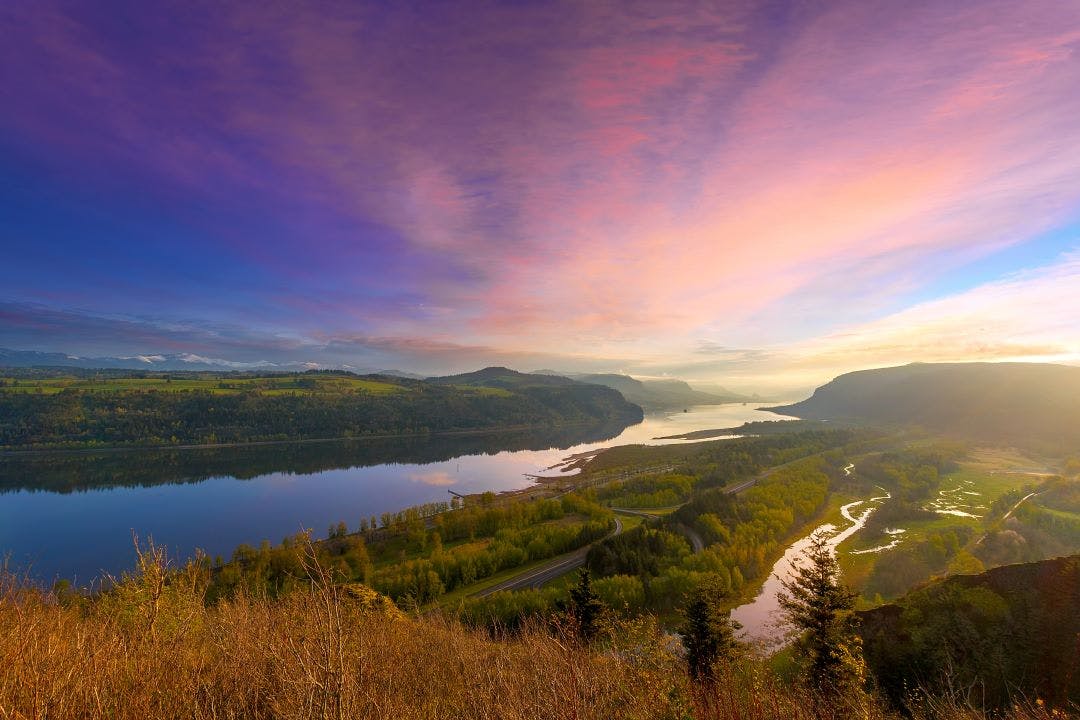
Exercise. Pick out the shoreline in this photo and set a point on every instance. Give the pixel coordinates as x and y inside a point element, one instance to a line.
<point>256,443</point>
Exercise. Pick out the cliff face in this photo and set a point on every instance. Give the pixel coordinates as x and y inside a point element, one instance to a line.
<point>660,394</point>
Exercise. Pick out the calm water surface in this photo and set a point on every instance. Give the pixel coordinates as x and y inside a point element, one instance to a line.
<point>80,524</point>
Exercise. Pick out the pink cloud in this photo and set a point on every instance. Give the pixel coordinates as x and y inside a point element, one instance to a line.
<point>435,478</point>
<point>602,178</point>
<point>842,153</point>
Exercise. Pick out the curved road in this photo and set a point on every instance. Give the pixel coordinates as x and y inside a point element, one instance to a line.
<point>565,563</point>
<point>549,570</point>
<point>696,543</point>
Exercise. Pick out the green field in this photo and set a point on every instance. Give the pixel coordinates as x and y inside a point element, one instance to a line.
<point>629,522</point>
<point>215,384</point>
<point>1064,514</point>
<point>990,473</point>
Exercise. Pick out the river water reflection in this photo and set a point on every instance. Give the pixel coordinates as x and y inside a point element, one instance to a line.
<point>761,618</point>
<point>72,515</point>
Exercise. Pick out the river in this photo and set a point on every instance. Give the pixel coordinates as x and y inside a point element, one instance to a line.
<point>72,515</point>
<point>761,620</point>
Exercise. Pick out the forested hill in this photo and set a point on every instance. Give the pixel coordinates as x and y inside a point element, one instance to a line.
<point>1011,632</point>
<point>1037,405</point>
<point>659,394</point>
<point>663,394</point>
<point>42,408</point>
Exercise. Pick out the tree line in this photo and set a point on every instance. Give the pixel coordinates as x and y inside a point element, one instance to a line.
<point>416,555</point>
<point>81,418</point>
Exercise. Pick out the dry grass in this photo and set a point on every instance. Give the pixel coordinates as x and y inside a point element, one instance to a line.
<point>150,649</point>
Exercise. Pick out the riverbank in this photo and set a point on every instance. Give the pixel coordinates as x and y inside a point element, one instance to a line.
<point>757,619</point>
<point>217,498</point>
<point>501,430</point>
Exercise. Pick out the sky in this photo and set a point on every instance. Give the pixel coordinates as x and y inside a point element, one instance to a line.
<point>761,195</point>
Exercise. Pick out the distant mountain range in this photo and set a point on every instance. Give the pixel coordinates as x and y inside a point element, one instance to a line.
<point>648,394</point>
<point>169,362</point>
<point>1017,403</point>
<point>653,394</point>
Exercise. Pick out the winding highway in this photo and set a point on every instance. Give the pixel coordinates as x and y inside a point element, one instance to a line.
<point>550,570</point>
<point>538,576</point>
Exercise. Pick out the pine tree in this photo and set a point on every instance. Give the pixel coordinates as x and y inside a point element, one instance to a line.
<point>707,632</point>
<point>586,608</point>
<point>822,608</point>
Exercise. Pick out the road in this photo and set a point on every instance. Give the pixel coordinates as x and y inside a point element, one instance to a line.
<point>550,570</point>
<point>696,543</point>
<point>1005,517</point>
<point>688,532</point>
<point>639,513</point>
<point>1017,505</point>
<point>563,564</point>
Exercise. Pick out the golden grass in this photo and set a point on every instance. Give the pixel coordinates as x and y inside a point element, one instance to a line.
<point>150,649</point>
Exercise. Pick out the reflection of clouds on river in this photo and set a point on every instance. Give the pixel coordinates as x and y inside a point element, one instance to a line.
<point>879,548</point>
<point>437,478</point>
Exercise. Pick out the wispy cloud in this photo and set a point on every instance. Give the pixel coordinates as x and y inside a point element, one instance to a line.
<point>1029,316</point>
<point>629,183</point>
<point>436,478</point>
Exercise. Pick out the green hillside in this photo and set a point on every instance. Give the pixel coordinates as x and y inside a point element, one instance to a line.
<point>100,409</point>
<point>1011,632</point>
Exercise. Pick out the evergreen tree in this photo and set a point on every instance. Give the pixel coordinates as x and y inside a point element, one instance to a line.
<point>586,608</point>
<point>822,608</point>
<point>707,632</point>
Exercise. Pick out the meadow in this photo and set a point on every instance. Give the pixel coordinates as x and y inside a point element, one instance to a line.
<point>973,498</point>
<point>223,384</point>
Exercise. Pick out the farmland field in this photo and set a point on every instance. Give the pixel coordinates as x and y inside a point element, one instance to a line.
<point>948,535</point>
<point>215,384</point>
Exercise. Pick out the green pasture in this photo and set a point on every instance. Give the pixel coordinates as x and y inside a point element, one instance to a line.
<point>218,385</point>
<point>991,476</point>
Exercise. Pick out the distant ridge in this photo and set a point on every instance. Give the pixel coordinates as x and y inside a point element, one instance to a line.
<point>554,391</point>
<point>74,408</point>
<point>652,394</point>
<point>503,377</point>
<point>171,362</point>
<point>1016,403</point>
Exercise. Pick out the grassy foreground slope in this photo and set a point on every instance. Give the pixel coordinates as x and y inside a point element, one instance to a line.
<point>151,649</point>
<point>1037,405</point>
<point>71,409</point>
